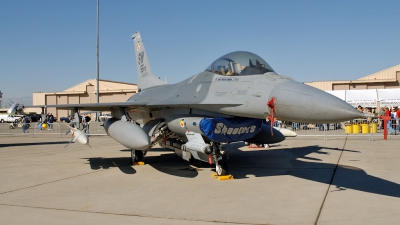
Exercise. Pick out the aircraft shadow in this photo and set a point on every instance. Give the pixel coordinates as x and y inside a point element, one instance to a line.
<point>292,162</point>
<point>33,143</point>
<point>173,165</point>
<point>166,163</point>
<point>265,163</point>
<point>107,163</point>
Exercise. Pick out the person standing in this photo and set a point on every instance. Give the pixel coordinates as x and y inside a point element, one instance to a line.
<point>397,119</point>
<point>25,124</point>
<point>381,113</point>
<point>87,123</point>
<point>51,120</point>
<point>83,120</point>
<point>389,123</point>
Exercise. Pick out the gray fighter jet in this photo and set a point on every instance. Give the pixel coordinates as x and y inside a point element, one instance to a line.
<point>227,102</point>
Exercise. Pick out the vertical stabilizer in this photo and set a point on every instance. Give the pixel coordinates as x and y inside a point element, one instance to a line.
<point>146,79</point>
<point>15,109</point>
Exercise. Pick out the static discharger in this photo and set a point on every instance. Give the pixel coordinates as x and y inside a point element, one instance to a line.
<point>224,177</point>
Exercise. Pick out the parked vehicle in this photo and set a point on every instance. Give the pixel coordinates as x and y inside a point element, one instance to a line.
<point>65,119</point>
<point>34,117</point>
<point>9,118</point>
<point>104,117</point>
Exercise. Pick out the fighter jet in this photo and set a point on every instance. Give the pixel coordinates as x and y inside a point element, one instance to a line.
<point>15,109</point>
<point>227,102</point>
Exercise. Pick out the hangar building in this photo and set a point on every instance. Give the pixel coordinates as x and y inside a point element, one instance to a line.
<point>385,79</point>
<point>85,92</point>
<point>374,91</point>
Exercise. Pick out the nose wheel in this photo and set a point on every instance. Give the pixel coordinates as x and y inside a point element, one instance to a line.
<point>221,168</point>
<point>136,155</point>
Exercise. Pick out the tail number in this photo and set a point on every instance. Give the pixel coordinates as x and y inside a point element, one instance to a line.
<point>140,62</point>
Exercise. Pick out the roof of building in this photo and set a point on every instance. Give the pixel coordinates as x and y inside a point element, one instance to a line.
<point>105,86</point>
<point>387,74</point>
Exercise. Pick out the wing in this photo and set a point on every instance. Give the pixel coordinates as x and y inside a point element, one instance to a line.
<point>136,104</point>
<point>97,106</point>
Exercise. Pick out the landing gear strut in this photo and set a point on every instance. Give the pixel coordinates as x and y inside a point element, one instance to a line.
<point>136,155</point>
<point>220,165</point>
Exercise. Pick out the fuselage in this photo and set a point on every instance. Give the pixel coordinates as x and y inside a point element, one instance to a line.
<point>243,96</point>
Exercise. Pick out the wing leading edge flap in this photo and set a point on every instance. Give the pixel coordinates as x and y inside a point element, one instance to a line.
<point>108,106</point>
<point>95,106</point>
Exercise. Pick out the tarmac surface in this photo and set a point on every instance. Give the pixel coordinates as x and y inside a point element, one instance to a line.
<point>299,181</point>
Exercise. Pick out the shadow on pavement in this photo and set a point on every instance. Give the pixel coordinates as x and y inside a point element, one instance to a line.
<point>266,163</point>
<point>107,163</point>
<point>32,143</point>
<point>295,162</point>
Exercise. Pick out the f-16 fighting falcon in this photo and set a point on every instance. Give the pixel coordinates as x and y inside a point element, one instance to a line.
<point>225,103</point>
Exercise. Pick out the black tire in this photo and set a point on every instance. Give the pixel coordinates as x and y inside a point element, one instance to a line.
<point>222,168</point>
<point>137,156</point>
<point>2,121</point>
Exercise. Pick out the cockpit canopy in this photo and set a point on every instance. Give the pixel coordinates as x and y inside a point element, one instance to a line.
<point>239,63</point>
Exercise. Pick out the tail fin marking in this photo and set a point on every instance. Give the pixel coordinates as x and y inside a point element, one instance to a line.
<point>146,79</point>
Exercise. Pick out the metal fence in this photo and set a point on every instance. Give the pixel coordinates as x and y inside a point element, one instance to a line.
<point>355,128</point>
<point>57,129</point>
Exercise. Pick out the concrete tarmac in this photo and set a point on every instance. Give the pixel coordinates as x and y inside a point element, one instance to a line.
<point>299,181</point>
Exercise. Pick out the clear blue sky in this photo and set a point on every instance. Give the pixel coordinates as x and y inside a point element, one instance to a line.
<point>48,45</point>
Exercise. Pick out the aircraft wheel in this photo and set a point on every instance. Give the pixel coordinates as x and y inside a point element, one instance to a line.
<point>221,168</point>
<point>136,155</point>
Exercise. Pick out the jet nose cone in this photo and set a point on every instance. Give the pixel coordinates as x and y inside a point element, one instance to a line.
<point>298,102</point>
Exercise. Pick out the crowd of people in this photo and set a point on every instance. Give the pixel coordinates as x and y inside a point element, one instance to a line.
<point>371,115</point>
<point>43,124</point>
<point>24,123</point>
<point>47,123</point>
<point>393,125</point>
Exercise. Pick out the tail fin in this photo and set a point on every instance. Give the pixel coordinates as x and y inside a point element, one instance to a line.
<point>146,79</point>
<point>15,108</point>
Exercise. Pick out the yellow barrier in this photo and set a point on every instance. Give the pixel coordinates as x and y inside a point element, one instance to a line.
<point>348,129</point>
<point>374,128</point>
<point>365,128</point>
<point>356,128</point>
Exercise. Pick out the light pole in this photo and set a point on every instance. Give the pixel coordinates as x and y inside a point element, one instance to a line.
<point>97,63</point>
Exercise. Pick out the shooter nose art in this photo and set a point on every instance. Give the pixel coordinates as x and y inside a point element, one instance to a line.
<point>298,102</point>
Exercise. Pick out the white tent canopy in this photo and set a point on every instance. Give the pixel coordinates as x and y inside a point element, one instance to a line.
<point>389,97</point>
<point>370,97</point>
